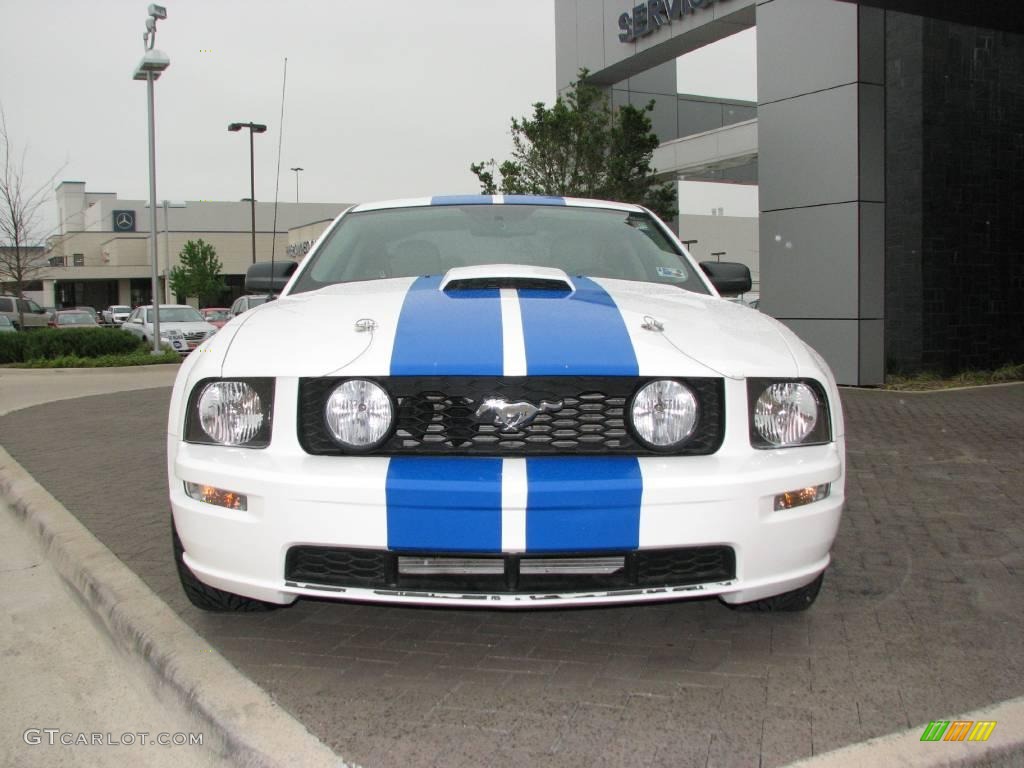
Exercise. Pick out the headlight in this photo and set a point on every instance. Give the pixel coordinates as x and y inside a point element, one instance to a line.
<point>235,412</point>
<point>787,413</point>
<point>664,414</point>
<point>359,414</point>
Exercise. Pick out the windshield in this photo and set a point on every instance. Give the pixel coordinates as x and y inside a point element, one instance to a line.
<point>176,315</point>
<point>216,314</point>
<point>430,240</point>
<point>75,318</point>
<point>120,309</point>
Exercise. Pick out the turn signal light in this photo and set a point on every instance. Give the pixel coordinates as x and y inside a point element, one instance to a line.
<point>802,496</point>
<point>218,496</point>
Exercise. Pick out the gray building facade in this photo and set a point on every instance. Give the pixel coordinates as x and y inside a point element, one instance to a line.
<point>890,144</point>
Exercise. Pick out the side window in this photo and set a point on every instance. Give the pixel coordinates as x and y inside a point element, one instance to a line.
<point>33,307</point>
<point>6,305</point>
<point>133,316</point>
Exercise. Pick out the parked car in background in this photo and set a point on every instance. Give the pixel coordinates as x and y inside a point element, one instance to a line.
<point>216,316</point>
<point>14,309</point>
<point>6,326</point>
<point>73,318</point>
<point>91,310</point>
<point>245,303</point>
<point>116,314</point>
<point>181,327</point>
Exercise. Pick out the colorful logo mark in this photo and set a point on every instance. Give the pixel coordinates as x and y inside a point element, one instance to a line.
<point>958,730</point>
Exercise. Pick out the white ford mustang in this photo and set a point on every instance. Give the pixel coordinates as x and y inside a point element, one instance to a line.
<point>503,402</point>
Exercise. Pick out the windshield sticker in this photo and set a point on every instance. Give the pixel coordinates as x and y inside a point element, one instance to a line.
<point>677,273</point>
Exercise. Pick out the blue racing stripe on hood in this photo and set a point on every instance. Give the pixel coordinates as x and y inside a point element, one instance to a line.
<point>444,504</point>
<point>579,333</point>
<point>456,334</point>
<point>583,503</point>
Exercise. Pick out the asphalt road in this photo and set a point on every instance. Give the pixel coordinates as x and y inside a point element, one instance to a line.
<point>919,618</point>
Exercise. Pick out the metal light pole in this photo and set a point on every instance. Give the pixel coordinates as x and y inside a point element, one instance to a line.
<point>253,128</point>
<point>297,171</point>
<point>152,65</point>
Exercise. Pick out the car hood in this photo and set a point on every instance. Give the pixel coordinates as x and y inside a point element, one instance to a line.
<point>408,326</point>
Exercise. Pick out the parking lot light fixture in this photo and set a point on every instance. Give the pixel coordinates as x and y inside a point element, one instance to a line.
<point>297,172</point>
<point>253,128</point>
<point>153,64</point>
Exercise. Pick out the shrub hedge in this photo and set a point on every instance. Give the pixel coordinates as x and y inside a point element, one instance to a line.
<point>51,343</point>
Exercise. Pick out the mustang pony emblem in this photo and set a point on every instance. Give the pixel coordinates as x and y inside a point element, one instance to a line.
<point>508,416</point>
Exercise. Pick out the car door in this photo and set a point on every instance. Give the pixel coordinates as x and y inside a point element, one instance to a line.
<point>35,316</point>
<point>134,323</point>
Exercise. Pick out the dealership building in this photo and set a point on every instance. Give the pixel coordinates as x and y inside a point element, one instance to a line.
<point>100,256</point>
<point>887,142</point>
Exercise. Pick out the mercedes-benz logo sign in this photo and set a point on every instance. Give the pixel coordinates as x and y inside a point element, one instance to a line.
<point>510,416</point>
<point>124,221</point>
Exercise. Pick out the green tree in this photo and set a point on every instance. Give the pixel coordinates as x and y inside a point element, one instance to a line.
<point>199,273</point>
<point>581,147</point>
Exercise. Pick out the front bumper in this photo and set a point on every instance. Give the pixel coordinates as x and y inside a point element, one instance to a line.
<point>295,499</point>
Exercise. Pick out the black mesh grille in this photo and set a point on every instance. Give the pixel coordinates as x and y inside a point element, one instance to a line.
<point>341,567</point>
<point>437,416</point>
<point>684,566</point>
<point>378,569</point>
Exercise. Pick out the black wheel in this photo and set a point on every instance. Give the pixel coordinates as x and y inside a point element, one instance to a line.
<point>797,600</point>
<point>206,597</point>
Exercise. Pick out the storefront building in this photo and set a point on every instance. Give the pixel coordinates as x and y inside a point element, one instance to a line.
<point>888,146</point>
<point>101,255</point>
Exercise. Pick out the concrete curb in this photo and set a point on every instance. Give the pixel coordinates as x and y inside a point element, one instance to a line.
<point>251,729</point>
<point>1004,749</point>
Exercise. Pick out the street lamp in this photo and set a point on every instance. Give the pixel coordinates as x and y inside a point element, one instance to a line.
<point>297,171</point>
<point>150,68</point>
<point>718,254</point>
<point>253,128</point>
<point>688,243</point>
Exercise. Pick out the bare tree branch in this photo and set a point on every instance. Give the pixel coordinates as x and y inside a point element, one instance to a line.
<point>22,256</point>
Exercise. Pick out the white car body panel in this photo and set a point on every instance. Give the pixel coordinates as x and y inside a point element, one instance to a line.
<point>295,498</point>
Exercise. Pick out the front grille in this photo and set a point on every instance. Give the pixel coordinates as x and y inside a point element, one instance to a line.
<point>493,574</point>
<point>437,416</point>
<point>194,335</point>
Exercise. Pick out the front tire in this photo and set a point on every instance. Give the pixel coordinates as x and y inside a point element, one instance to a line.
<point>796,600</point>
<point>208,598</point>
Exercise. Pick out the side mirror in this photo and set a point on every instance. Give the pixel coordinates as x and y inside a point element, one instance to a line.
<point>729,277</point>
<point>269,276</point>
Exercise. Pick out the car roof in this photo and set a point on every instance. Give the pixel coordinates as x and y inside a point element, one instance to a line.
<point>440,200</point>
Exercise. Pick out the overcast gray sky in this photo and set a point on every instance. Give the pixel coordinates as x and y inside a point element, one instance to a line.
<point>383,99</point>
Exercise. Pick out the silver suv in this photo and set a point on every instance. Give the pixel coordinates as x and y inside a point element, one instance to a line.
<point>245,303</point>
<point>13,308</point>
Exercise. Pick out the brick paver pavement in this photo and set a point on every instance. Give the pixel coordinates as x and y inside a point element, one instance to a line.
<point>920,617</point>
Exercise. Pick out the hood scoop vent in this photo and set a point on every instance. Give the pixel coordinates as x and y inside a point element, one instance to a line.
<point>506,276</point>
